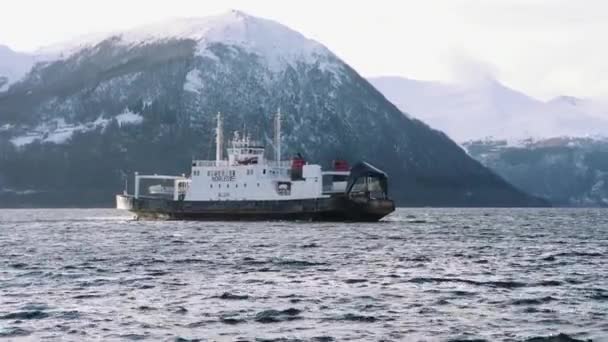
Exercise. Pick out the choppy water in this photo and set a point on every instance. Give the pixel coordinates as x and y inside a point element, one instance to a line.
<point>425,275</point>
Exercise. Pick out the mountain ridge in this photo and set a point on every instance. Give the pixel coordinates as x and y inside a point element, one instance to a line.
<point>502,113</point>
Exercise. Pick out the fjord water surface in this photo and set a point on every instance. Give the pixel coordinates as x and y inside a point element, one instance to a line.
<point>423,275</point>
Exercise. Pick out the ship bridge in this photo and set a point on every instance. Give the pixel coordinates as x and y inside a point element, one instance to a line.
<point>244,151</point>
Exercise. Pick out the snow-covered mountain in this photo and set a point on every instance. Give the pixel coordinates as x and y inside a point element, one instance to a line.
<point>487,109</point>
<point>13,66</point>
<point>146,99</point>
<point>554,149</point>
<point>274,43</point>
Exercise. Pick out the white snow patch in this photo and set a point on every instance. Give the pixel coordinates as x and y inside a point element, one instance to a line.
<point>65,49</point>
<point>62,135</point>
<point>194,83</point>
<point>19,192</point>
<point>57,131</point>
<point>100,121</point>
<point>6,127</point>
<point>26,139</point>
<point>128,117</point>
<point>117,84</point>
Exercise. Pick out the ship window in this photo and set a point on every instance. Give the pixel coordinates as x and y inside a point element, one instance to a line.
<point>236,185</point>
<point>244,185</point>
<point>219,185</point>
<point>258,184</point>
<point>264,171</point>
<point>227,185</point>
<point>211,185</point>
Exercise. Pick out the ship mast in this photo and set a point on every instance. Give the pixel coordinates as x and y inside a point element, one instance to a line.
<point>277,135</point>
<point>219,137</point>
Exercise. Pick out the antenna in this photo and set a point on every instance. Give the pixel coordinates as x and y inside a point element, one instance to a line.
<point>277,135</point>
<point>219,135</point>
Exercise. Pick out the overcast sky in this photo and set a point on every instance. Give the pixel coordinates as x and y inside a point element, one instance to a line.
<point>542,47</point>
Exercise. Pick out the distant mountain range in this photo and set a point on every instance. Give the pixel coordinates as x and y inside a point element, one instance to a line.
<point>556,149</point>
<point>488,110</point>
<point>93,111</point>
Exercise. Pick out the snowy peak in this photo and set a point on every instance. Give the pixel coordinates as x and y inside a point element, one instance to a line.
<point>487,108</point>
<point>266,38</point>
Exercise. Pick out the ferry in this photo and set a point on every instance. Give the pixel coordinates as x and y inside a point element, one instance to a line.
<point>244,185</point>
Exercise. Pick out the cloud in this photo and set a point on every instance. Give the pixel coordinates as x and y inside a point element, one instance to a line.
<point>466,69</point>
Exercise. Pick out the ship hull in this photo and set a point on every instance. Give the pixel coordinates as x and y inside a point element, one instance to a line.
<point>336,208</point>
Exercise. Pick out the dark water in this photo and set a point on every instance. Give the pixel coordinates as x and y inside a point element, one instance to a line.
<point>425,275</point>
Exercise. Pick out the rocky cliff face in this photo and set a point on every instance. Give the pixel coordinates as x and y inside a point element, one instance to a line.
<point>145,100</point>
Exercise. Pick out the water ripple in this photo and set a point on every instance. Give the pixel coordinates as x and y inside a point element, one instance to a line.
<point>533,275</point>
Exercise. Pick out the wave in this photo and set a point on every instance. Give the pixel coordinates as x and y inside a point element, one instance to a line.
<point>33,314</point>
<point>13,332</point>
<point>555,338</point>
<point>273,316</point>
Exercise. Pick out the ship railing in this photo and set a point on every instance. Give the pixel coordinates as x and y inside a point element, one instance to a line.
<point>212,163</point>
<point>284,164</point>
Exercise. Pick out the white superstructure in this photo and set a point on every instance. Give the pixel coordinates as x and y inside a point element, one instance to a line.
<point>245,174</point>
